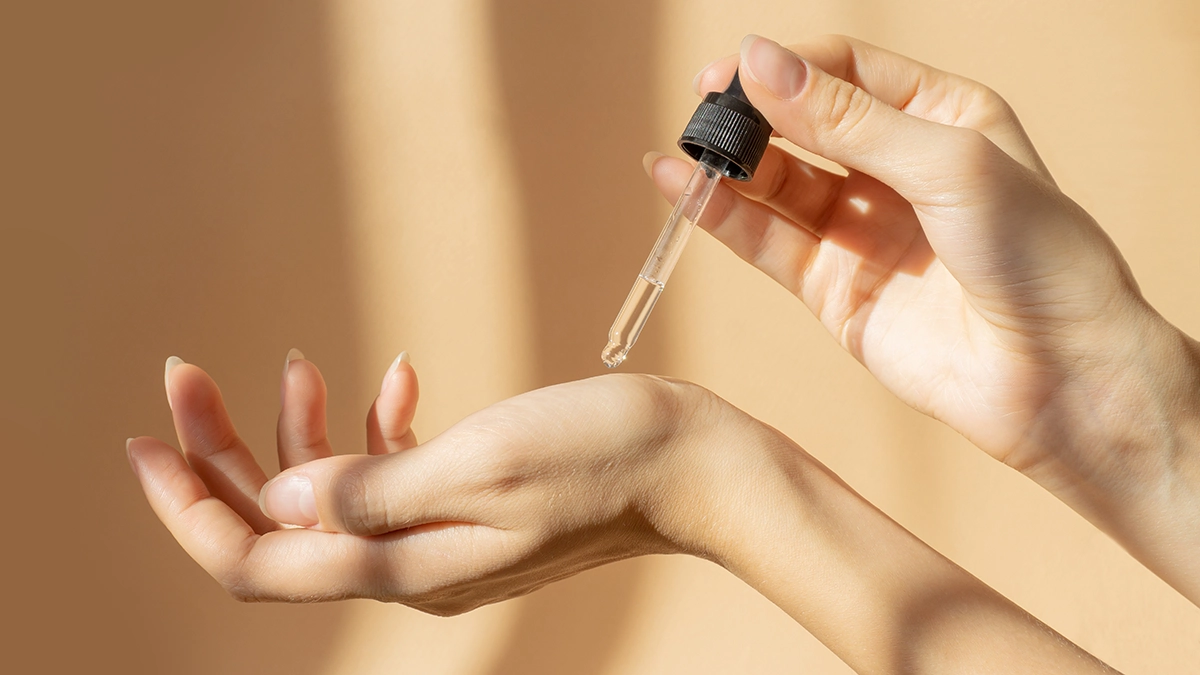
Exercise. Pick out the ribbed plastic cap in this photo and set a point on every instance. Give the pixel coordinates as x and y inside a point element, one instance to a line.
<point>726,124</point>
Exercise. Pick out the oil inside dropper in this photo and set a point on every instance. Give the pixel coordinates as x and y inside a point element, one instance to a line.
<point>631,319</point>
<point>653,278</point>
<point>727,137</point>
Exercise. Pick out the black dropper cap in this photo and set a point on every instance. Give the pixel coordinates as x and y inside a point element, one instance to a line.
<point>726,124</point>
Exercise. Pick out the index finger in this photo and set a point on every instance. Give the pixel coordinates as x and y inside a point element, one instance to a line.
<point>905,84</point>
<point>289,565</point>
<point>212,445</point>
<point>300,565</point>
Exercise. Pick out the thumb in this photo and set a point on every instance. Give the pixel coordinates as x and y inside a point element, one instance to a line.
<point>359,494</point>
<point>837,120</point>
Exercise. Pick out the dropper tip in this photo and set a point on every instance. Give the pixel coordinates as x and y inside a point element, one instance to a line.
<point>613,355</point>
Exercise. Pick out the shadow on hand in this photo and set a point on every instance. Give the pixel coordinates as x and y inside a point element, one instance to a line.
<point>577,83</point>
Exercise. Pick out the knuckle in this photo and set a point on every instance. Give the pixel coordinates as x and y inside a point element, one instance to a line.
<point>222,447</point>
<point>355,511</point>
<point>240,588</point>
<point>989,99</point>
<point>238,581</point>
<point>988,106</point>
<point>843,107</point>
<point>242,594</point>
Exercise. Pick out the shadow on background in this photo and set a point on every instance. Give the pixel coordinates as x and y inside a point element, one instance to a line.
<point>177,192</point>
<point>576,81</point>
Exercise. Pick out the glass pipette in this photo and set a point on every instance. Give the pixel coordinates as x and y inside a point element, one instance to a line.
<point>727,137</point>
<point>653,277</point>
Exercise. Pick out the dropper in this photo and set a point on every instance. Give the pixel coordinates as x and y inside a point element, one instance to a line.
<point>727,137</point>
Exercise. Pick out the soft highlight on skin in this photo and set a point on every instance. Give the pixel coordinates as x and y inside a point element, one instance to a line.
<point>945,259</point>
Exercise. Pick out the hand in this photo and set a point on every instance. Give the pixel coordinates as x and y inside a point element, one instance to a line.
<point>949,263</point>
<point>528,491</point>
<point>553,482</point>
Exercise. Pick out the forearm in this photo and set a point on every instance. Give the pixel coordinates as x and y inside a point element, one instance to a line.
<point>868,589</point>
<point>1122,447</point>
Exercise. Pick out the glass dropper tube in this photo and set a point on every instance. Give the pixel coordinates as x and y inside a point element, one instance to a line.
<point>653,277</point>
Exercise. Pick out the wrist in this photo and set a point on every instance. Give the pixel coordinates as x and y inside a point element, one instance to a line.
<point>1124,447</point>
<point>1124,411</point>
<point>773,516</point>
<point>714,457</point>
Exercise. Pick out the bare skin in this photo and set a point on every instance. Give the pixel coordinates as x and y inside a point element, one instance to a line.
<point>556,481</point>
<point>946,261</point>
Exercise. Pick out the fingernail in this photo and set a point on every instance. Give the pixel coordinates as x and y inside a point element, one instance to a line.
<point>648,161</point>
<point>172,362</point>
<point>387,378</point>
<point>700,76</point>
<point>289,500</point>
<point>292,355</point>
<point>772,66</point>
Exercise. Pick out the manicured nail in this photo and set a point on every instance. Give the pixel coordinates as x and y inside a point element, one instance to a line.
<point>129,455</point>
<point>292,355</point>
<point>772,66</point>
<point>700,76</point>
<point>172,362</point>
<point>387,378</point>
<point>289,500</point>
<point>648,161</point>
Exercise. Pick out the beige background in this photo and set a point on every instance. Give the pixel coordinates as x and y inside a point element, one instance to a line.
<point>462,179</point>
